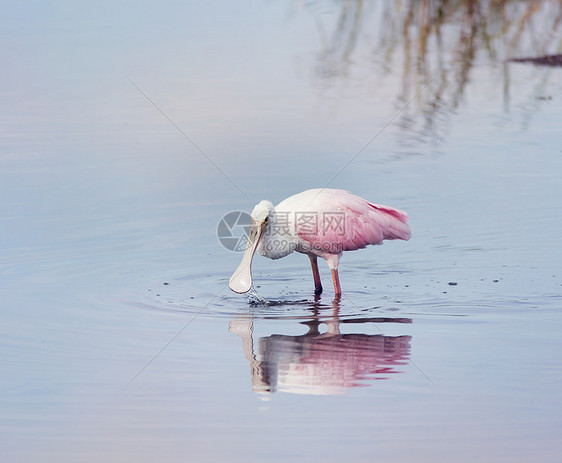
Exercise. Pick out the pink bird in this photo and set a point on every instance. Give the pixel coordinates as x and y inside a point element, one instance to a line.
<point>319,223</point>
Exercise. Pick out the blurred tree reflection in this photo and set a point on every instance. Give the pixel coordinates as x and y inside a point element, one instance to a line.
<point>437,41</point>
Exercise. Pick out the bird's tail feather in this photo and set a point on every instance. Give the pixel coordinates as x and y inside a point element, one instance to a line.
<point>396,224</point>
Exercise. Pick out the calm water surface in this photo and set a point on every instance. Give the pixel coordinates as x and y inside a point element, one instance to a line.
<point>120,340</point>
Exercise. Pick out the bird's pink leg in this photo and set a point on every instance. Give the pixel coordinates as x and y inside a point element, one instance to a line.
<point>337,288</point>
<point>316,274</point>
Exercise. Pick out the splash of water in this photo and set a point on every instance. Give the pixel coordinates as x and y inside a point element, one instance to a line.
<point>254,299</point>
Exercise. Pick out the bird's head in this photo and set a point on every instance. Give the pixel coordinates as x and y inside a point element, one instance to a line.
<point>241,279</point>
<point>262,211</point>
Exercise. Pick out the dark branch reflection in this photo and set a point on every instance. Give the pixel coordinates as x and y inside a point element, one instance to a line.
<point>322,362</point>
<point>437,41</point>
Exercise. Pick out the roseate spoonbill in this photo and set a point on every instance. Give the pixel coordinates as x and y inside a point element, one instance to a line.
<point>319,223</point>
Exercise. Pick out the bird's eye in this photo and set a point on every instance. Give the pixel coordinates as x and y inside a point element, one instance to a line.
<point>266,220</point>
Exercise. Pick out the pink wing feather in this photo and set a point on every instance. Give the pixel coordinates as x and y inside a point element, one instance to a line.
<point>347,222</point>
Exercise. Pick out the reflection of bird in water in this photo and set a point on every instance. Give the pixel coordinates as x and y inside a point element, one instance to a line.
<point>321,363</point>
<point>319,223</point>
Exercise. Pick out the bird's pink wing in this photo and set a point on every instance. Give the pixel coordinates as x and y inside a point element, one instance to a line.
<point>346,222</point>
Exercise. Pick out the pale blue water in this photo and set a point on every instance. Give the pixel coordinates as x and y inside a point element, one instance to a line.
<point>120,340</point>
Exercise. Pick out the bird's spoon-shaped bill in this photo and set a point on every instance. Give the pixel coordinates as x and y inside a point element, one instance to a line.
<point>241,279</point>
